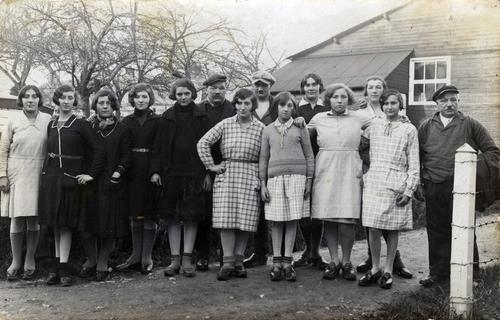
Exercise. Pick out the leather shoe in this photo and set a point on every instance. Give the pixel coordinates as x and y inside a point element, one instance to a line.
<point>432,280</point>
<point>147,269</point>
<point>87,272</point>
<point>53,279</point>
<point>275,273</point>
<point>171,271</point>
<point>289,273</point>
<point>202,265</point>
<point>369,278</point>
<point>348,272</point>
<point>364,266</point>
<point>403,272</point>
<point>127,265</point>
<point>240,272</point>
<point>29,275</point>
<point>14,275</point>
<point>319,263</point>
<point>67,281</point>
<point>386,281</point>
<point>254,261</point>
<point>225,273</point>
<point>102,275</point>
<point>331,271</point>
<point>302,262</point>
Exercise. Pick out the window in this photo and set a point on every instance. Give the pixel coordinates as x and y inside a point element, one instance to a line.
<point>426,76</point>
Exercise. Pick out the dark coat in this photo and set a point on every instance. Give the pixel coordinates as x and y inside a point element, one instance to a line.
<point>271,114</point>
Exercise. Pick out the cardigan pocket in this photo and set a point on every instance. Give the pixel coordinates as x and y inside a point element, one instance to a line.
<point>396,179</point>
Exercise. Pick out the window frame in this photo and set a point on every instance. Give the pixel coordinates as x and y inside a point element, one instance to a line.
<point>413,82</point>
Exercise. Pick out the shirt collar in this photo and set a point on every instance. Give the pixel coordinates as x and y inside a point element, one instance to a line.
<point>304,102</point>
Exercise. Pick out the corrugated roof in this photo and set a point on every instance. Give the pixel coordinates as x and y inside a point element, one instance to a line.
<point>349,69</point>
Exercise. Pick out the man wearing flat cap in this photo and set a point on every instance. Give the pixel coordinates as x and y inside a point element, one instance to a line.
<point>217,108</point>
<point>439,138</point>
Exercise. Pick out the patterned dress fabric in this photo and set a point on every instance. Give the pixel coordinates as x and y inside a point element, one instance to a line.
<point>287,198</point>
<point>236,195</point>
<point>22,151</point>
<point>394,171</point>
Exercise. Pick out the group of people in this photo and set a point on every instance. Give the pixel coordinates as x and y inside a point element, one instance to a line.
<point>325,163</point>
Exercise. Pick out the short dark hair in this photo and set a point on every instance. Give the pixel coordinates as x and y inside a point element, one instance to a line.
<point>330,90</point>
<point>22,92</point>
<point>62,89</point>
<point>105,92</point>
<point>141,86</point>
<point>384,84</point>
<point>243,94</point>
<point>282,98</point>
<point>184,82</point>
<point>391,92</point>
<point>316,79</point>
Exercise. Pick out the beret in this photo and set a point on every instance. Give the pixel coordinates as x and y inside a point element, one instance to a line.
<point>263,76</point>
<point>214,78</point>
<point>444,89</point>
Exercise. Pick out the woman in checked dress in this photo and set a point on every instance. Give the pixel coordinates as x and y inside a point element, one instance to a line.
<point>389,184</point>
<point>236,186</point>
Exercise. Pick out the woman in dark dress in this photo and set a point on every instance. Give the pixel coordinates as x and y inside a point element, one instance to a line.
<point>106,223</point>
<point>178,169</point>
<point>74,159</point>
<point>143,124</point>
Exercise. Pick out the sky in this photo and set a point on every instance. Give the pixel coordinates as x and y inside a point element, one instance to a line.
<point>291,26</point>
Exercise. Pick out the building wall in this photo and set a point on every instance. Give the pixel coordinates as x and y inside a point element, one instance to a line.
<point>468,31</point>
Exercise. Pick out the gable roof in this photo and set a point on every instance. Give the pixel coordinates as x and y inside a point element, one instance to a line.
<point>344,33</point>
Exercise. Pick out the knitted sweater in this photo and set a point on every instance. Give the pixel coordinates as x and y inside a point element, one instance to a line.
<point>295,156</point>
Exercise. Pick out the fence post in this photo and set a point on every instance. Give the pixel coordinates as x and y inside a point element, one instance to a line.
<point>462,243</point>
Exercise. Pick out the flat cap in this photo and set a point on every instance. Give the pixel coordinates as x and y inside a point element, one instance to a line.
<point>444,89</point>
<point>263,76</point>
<point>214,78</point>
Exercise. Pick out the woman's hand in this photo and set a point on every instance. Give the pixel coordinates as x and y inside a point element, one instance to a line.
<point>299,122</point>
<point>307,191</point>
<point>4,184</point>
<point>218,168</point>
<point>419,194</point>
<point>84,178</point>
<point>402,200</point>
<point>155,179</point>
<point>264,193</point>
<point>362,103</point>
<point>207,183</point>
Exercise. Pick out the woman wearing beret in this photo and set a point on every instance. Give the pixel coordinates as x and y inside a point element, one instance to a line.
<point>143,124</point>
<point>22,150</point>
<point>236,197</point>
<point>106,223</point>
<point>389,184</point>
<point>336,194</point>
<point>74,160</point>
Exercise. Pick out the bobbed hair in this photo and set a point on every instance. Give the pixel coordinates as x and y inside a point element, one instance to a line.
<point>62,89</point>
<point>282,98</point>
<point>243,94</point>
<point>391,92</point>
<point>384,84</point>
<point>23,91</point>
<point>330,90</point>
<point>141,86</point>
<point>316,79</point>
<point>105,92</point>
<point>186,83</point>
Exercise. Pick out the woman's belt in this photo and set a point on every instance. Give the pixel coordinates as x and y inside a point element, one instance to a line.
<point>338,149</point>
<point>241,160</point>
<point>140,150</point>
<point>63,156</point>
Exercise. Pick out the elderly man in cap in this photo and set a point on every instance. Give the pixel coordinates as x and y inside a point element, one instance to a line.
<point>439,137</point>
<point>217,108</point>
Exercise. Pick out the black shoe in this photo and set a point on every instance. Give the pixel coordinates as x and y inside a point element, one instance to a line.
<point>53,279</point>
<point>348,272</point>
<point>240,272</point>
<point>67,281</point>
<point>29,275</point>
<point>368,279</point>
<point>14,275</point>
<point>302,262</point>
<point>254,261</point>
<point>365,266</point>
<point>202,265</point>
<point>275,273</point>
<point>289,273</point>
<point>331,271</point>
<point>319,263</point>
<point>102,275</point>
<point>386,281</point>
<point>147,269</point>
<point>225,273</point>
<point>87,272</point>
<point>400,269</point>
<point>432,280</point>
<point>127,265</point>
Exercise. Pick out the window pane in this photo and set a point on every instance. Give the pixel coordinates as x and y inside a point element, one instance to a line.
<point>418,92</point>
<point>441,69</point>
<point>430,70</point>
<point>419,70</point>
<point>429,90</point>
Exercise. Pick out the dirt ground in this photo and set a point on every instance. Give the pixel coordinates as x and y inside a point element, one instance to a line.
<point>135,296</point>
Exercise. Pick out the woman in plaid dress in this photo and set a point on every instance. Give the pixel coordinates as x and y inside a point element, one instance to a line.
<point>389,184</point>
<point>286,169</point>
<point>236,186</point>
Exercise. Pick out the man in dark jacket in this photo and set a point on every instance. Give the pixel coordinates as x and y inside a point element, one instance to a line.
<point>439,138</point>
<point>217,107</point>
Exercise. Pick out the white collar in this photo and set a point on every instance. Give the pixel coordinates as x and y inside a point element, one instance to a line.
<point>304,102</point>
